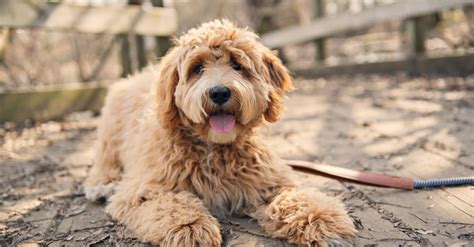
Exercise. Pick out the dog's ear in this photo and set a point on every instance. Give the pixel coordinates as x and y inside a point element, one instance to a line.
<point>165,88</point>
<point>281,82</point>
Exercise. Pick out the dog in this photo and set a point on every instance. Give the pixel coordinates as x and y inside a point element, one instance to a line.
<point>178,147</point>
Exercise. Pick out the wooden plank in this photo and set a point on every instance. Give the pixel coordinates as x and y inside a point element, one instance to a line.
<point>50,104</point>
<point>113,19</point>
<point>332,25</point>
<point>16,13</point>
<point>455,65</point>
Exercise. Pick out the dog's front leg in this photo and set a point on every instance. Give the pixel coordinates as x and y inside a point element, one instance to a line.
<point>305,217</point>
<point>165,218</point>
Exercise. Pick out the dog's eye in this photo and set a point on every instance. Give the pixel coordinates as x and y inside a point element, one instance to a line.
<point>235,65</point>
<point>198,69</point>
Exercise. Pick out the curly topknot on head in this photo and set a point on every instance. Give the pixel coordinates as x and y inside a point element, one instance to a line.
<point>216,32</point>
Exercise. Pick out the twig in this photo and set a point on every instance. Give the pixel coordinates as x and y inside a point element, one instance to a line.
<point>391,239</point>
<point>75,213</point>
<point>42,219</point>
<point>424,221</point>
<point>360,236</point>
<point>456,223</point>
<point>98,241</point>
<point>93,227</point>
<point>392,204</point>
<point>74,195</point>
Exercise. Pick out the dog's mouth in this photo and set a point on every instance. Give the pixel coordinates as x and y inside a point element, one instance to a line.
<point>222,122</point>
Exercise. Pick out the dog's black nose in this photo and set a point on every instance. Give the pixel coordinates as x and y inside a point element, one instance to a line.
<point>219,94</point>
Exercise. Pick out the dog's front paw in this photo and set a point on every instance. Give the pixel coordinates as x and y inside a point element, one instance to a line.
<point>321,228</point>
<point>307,218</point>
<point>202,232</point>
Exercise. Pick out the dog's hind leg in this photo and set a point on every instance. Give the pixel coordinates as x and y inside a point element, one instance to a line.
<point>165,218</point>
<point>105,171</point>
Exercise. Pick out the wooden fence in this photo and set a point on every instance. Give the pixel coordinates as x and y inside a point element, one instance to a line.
<point>411,11</point>
<point>52,103</point>
<point>127,22</point>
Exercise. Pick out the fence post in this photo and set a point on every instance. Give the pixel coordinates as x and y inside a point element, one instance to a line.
<point>139,42</point>
<point>162,44</point>
<point>469,14</point>
<point>5,39</point>
<point>141,53</point>
<point>416,36</point>
<point>125,55</point>
<point>319,12</point>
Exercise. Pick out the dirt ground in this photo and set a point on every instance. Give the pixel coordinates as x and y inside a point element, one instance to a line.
<point>419,128</point>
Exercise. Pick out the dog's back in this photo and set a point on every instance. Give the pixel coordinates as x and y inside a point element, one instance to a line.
<point>124,108</point>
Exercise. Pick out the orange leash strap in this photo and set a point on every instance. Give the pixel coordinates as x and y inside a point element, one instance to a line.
<point>367,178</point>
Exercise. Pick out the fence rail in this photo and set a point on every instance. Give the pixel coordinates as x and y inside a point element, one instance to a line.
<point>44,105</point>
<point>333,25</point>
<point>154,21</point>
<point>130,23</point>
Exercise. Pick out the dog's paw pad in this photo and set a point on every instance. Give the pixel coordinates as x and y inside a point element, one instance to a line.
<point>99,192</point>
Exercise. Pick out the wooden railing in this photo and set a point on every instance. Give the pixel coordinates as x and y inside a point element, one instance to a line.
<point>323,27</point>
<point>52,103</point>
<point>124,21</point>
<point>133,21</point>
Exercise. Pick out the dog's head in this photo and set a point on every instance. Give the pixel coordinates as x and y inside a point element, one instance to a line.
<point>219,81</point>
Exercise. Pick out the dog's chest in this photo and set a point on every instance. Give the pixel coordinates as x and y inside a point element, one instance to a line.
<point>226,179</point>
<point>225,186</point>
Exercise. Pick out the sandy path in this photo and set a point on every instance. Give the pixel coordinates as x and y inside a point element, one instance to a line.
<point>394,125</point>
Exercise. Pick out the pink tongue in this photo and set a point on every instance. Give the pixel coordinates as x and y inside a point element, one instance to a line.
<point>222,122</point>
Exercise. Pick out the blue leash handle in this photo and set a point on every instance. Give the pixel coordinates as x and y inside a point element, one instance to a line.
<point>376,179</point>
<point>442,182</point>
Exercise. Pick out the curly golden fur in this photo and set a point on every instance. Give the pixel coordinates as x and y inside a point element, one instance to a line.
<point>174,172</point>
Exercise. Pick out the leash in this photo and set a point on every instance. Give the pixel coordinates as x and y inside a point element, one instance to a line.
<point>374,179</point>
